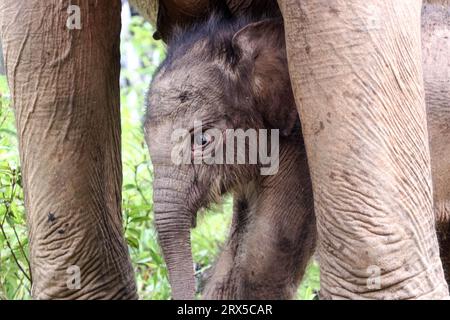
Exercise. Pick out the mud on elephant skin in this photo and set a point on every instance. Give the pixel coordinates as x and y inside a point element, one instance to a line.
<point>438,107</point>
<point>273,221</point>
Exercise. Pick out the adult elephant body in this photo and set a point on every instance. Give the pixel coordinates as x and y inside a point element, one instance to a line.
<point>436,63</point>
<point>357,77</point>
<point>64,83</point>
<point>358,82</point>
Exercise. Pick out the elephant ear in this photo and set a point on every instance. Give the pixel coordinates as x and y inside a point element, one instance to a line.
<point>261,51</point>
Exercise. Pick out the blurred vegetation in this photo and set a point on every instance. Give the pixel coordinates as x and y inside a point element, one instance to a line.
<point>151,274</point>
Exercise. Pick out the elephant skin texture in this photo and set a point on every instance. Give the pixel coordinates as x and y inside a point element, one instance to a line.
<point>171,105</point>
<point>273,230</point>
<point>357,75</point>
<point>436,63</point>
<point>65,91</point>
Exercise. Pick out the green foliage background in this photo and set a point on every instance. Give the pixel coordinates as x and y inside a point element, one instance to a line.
<point>150,270</point>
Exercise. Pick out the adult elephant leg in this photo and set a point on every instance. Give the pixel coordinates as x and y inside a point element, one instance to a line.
<point>357,76</point>
<point>65,89</point>
<point>436,53</point>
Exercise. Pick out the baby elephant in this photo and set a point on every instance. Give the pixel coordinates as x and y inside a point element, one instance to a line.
<point>233,75</point>
<point>228,75</point>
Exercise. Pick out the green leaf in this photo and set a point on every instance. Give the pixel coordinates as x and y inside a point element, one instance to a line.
<point>133,242</point>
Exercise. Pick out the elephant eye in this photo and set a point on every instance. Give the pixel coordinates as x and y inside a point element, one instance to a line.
<point>202,140</point>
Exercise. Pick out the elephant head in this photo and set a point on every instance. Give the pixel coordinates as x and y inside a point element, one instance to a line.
<point>226,74</point>
<point>169,14</point>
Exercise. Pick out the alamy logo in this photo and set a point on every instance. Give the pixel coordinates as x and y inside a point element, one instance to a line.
<point>74,279</point>
<point>74,19</point>
<point>230,146</point>
<point>374,279</point>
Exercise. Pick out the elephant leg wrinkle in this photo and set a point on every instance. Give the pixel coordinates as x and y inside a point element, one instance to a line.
<point>370,163</point>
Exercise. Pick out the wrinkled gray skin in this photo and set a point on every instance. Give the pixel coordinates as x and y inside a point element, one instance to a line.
<point>356,67</point>
<point>357,77</point>
<point>436,63</point>
<point>64,86</point>
<point>273,231</point>
<point>230,276</point>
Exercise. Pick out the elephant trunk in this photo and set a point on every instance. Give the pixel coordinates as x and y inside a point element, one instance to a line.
<point>173,222</point>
